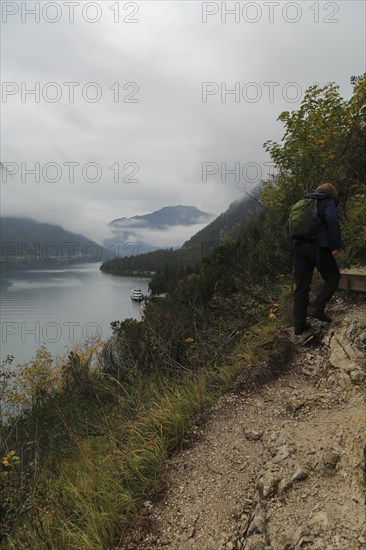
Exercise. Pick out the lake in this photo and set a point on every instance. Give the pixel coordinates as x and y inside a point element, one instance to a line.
<point>61,305</point>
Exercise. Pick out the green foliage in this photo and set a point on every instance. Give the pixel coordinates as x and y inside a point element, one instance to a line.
<point>168,276</point>
<point>77,375</point>
<point>91,442</point>
<point>324,140</point>
<point>229,223</point>
<point>13,491</point>
<point>83,494</point>
<point>354,231</point>
<point>143,264</point>
<point>58,410</point>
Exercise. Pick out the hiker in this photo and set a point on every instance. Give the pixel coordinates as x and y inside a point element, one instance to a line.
<point>319,250</point>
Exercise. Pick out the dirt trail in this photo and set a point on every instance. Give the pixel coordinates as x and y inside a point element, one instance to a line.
<point>281,468</point>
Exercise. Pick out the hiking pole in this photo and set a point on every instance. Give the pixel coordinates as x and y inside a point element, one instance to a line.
<point>292,269</point>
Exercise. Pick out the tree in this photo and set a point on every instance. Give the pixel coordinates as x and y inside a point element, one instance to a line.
<point>325,140</point>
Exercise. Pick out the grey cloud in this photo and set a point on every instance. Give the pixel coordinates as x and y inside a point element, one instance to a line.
<point>170,132</point>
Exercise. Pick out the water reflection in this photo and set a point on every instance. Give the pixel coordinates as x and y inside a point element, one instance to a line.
<point>59,306</point>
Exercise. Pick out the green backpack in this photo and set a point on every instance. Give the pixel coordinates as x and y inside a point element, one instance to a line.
<point>304,219</point>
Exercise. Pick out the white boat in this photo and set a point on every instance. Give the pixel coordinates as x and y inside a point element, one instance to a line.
<point>137,295</point>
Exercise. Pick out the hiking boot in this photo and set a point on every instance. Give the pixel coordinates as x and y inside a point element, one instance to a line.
<point>320,315</point>
<point>302,328</point>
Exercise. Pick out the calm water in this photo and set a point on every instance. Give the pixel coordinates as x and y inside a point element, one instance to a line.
<point>58,306</point>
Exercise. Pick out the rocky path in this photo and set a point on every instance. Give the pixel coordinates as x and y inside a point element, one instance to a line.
<point>281,468</point>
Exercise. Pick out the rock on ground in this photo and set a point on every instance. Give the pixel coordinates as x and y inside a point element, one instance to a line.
<point>280,468</point>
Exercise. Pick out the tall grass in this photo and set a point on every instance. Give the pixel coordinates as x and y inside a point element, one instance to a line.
<point>88,455</point>
<point>86,498</point>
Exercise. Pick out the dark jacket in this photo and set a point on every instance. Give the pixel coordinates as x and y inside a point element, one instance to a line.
<point>329,231</point>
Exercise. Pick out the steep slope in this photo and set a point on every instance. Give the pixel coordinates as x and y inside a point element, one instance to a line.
<point>280,467</point>
<point>228,222</point>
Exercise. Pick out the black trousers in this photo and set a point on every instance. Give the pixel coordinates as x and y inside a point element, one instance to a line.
<point>307,256</point>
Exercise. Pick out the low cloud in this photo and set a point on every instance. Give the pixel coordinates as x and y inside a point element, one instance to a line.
<point>173,236</point>
<point>170,132</point>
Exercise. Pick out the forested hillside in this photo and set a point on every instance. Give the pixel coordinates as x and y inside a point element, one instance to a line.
<point>168,265</point>
<point>227,223</point>
<point>91,446</point>
<point>133,235</point>
<point>26,240</point>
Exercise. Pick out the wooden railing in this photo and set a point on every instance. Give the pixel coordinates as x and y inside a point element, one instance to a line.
<point>355,282</point>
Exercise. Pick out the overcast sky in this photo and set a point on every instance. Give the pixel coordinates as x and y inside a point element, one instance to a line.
<point>162,128</point>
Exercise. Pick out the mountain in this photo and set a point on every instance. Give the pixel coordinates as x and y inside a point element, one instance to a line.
<point>26,240</point>
<point>191,253</point>
<point>141,234</point>
<point>226,223</point>
<point>168,215</point>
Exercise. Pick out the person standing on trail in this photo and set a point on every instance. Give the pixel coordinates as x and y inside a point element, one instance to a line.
<point>318,248</point>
